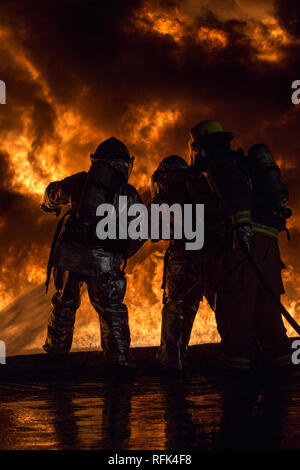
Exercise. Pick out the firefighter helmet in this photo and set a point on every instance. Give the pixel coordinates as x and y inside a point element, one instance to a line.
<point>206,127</point>
<point>111,149</point>
<point>167,173</point>
<point>206,139</point>
<point>173,162</point>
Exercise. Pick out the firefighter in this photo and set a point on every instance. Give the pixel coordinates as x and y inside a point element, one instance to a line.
<point>253,196</point>
<point>79,256</point>
<point>188,275</point>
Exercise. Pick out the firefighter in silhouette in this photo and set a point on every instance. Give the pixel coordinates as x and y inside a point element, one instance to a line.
<point>253,198</point>
<point>188,274</point>
<point>78,256</point>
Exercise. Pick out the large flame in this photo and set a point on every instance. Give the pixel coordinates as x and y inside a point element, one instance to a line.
<point>34,162</point>
<point>265,35</point>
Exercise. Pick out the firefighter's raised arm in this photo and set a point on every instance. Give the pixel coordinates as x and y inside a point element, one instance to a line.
<point>59,193</point>
<point>53,198</point>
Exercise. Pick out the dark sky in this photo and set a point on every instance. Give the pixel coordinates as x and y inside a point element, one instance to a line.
<point>80,71</point>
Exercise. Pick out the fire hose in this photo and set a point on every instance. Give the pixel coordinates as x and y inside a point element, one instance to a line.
<point>266,286</point>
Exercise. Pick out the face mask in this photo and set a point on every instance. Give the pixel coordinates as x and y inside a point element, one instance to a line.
<point>122,166</point>
<point>130,166</point>
<point>198,155</point>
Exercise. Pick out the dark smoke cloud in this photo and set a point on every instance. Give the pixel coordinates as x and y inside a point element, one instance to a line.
<point>288,12</point>
<point>98,62</point>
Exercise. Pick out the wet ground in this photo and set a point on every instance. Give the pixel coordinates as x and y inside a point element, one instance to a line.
<point>72,405</point>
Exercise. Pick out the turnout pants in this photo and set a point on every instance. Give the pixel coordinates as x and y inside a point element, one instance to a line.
<point>185,285</point>
<point>246,315</point>
<point>106,294</point>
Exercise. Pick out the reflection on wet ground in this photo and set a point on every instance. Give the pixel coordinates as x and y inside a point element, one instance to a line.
<point>151,413</point>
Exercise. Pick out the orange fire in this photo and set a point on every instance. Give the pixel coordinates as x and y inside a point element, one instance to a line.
<point>177,26</point>
<point>144,294</point>
<point>161,21</point>
<point>211,37</point>
<point>268,39</point>
<point>34,164</point>
<point>265,35</point>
